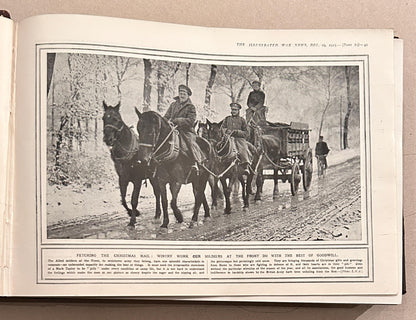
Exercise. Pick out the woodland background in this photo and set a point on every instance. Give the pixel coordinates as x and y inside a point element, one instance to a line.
<point>325,97</point>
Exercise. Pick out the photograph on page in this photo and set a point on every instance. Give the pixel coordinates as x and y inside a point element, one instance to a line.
<point>282,138</point>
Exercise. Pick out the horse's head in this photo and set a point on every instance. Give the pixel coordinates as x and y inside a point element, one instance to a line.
<point>112,124</point>
<point>149,128</point>
<point>202,130</point>
<point>214,131</point>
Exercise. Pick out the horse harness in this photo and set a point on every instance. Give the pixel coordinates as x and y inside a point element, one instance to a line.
<point>171,153</point>
<point>131,150</point>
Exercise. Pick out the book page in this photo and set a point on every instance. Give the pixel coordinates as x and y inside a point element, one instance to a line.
<point>306,235</point>
<point>6,138</point>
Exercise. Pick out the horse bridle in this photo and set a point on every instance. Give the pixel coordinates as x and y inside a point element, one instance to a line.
<point>153,146</point>
<point>131,148</point>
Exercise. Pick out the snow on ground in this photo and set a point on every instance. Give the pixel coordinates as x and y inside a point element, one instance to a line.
<point>65,203</point>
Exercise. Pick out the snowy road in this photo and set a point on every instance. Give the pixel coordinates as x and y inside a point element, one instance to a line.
<point>331,210</point>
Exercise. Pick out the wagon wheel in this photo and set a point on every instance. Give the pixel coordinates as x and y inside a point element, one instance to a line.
<point>307,171</point>
<point>295,179</point>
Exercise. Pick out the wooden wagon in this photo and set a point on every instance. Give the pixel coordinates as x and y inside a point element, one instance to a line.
<point>296,161</point>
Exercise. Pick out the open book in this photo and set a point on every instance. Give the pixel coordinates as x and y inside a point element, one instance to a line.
<point>287,143</point>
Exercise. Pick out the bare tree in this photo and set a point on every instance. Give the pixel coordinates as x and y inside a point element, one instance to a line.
<point>350,106</point>
<point>327,98</point>
<point>166,70</point>
<point>208,89</point>
<point>147,87</point>
<point>188,66</point>
<point>233,80</point>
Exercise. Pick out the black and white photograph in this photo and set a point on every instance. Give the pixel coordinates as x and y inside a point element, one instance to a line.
<point>142,147</point>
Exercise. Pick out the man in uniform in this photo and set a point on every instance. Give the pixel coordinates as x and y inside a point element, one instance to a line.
<point>237,126</point>
<point>183,114</point>
<point>255,102</point>
<point>321,149</point>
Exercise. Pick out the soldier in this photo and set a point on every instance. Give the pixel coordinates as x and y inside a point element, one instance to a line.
<point>237,126</point>
<point>256,111</point>
<point>183,114</point>
<point>321,149</point>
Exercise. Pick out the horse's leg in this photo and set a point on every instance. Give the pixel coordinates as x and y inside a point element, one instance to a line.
<point>244,190</point>
<point>226,190</point>
<point>203,179</point>
<point>212,183</point>
<point>135,201</point>
<point>156,192</point>
<point>174,189</point>
<point>123,182</point>
<point>249,182</point>
<point>235,186</point>
<point>198,188</point>
<point>219,193</point>
<point>276,186</point>
<point>164,198</point>
<point>259,184</point>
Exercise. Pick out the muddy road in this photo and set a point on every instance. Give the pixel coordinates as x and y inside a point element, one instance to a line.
<point>331,210</point>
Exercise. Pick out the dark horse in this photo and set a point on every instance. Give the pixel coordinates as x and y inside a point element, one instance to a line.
<point>227,165</point>
<point>124,144</point>
<point>267,156</point>
<point>216,193</point>
<point>159,147</point>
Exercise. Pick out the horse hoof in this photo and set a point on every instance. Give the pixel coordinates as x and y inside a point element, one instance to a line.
<point>131,225</point>
<point>129,212</point>
<point>207,219</point>
<point>164,226</point>
<point>245,206</point>
<point>192,224</point>
<point>227,211</point>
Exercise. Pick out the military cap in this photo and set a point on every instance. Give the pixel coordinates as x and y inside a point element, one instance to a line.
<point>235,104</point>
<point>182,87</point>
<point>255,82</point>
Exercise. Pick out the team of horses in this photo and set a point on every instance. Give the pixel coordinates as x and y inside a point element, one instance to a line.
<point>159,154</point>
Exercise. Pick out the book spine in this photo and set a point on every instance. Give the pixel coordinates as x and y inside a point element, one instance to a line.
<point>7,89</point>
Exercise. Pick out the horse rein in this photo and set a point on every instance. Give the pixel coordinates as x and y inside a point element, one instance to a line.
<point>149,145</point>
<point>132,148</point>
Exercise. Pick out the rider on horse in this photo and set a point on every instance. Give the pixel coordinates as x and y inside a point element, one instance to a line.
<point>256,111</point>
<point>237,127</point>
<point>182,113</point>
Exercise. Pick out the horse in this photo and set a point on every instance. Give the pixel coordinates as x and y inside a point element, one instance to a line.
<point>216,194</point>
<point>159,146</point>
<point>227,164</point>
<point>267,156</point>
<point>123,144</point>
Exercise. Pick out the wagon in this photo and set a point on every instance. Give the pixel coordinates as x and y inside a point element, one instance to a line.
<point>296,161</point>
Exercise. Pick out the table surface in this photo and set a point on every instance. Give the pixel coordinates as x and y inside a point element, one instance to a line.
<point>260,14</point>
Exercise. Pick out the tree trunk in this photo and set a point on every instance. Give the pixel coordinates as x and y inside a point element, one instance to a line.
<point>188,66</point>
<point>208,89</point>
<point>349,108</point>
<point>147,90</point>
<point>60,176</point>
<point>50,66</point>
<point>328,100</point>
<point>160,97</point>
<point>240,92</point>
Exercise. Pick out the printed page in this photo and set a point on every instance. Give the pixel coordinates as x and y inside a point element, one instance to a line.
<point>6,137</point>
<point>270,103</point>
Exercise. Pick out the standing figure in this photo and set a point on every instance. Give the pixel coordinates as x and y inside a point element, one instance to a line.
<point>256,111</point>
<point>182,113</point>
<point>237,127</point>
<point>321,149</point>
